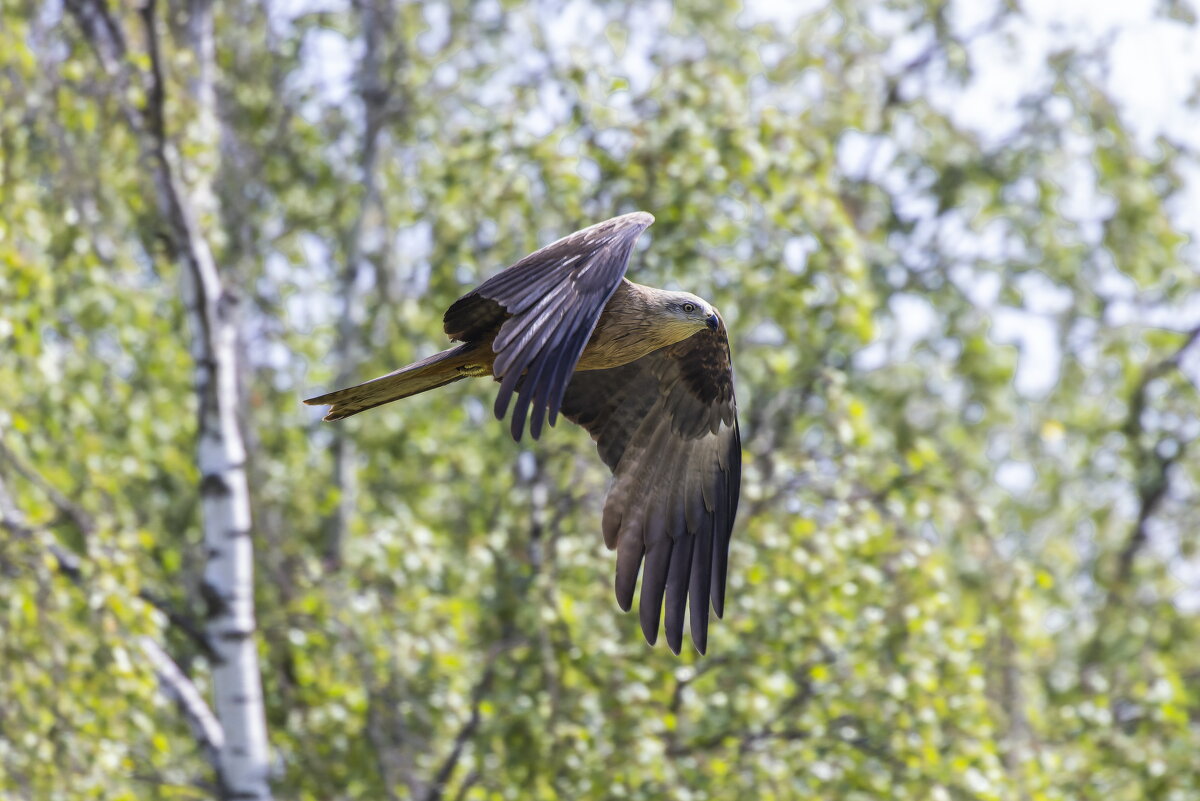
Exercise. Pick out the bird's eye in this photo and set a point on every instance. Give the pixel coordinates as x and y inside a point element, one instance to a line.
<point>689,307</point>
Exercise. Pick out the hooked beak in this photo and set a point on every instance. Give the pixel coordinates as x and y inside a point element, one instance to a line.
<point>714,322</point>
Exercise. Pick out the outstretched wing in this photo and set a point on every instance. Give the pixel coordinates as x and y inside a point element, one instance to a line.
<point>666,425</point>
<point>546,305</point>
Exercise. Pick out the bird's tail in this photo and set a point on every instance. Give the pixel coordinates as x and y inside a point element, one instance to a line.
<point>438,370</point>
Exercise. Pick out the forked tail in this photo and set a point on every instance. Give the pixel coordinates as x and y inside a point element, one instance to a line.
<point>436,371</point>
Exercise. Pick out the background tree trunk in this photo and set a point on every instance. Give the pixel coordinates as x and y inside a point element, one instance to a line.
<point>242,760</point>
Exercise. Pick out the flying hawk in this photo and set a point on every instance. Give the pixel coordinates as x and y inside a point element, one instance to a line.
<point>645,371</point>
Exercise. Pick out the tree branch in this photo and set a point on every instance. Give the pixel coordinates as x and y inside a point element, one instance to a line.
<point>470,781</point>
<point>1153,485</point>
<point>13,520</point>
<point>65,506</point>
<point>175,683</point>
<point>468,729</point>
<point>1153,480</point>
<point>184,622</point>
<point>788,710</point>
<point>68,563</point>
<point>177,686</point>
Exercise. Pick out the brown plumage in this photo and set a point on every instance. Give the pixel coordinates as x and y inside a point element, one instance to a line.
<point>646,371</point>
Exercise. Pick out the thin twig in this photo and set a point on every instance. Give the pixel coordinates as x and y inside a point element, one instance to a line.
<point>468,729</point>
<point>470,781</point>
<point>1153,487</point>
<point>1154,480</point>
<point>205,726</point>
<point>65,506</point>
<point>182,621</point>
<point>177,685</point>
<point>13,520</point>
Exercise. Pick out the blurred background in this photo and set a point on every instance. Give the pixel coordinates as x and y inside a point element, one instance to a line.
<point>955,246</point>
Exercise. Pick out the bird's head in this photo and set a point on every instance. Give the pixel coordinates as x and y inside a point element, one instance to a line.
<point>691,313</point>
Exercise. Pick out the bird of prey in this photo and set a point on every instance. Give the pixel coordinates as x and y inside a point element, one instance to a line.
<point>646,371</point>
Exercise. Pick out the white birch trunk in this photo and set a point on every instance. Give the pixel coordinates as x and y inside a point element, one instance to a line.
<point>243,759</point>
<point>225,504</point>
<point>242,756</point>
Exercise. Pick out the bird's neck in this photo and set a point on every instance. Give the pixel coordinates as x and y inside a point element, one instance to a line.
<point>631,326</point>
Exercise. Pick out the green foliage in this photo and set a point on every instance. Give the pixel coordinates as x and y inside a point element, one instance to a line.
<point>901,623</point>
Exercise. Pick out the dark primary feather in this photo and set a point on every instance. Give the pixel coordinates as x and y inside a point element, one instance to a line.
<point>666,425</point>
<point>546,305</point>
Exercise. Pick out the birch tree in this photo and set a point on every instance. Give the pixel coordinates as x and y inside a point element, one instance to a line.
<point>242,761</point>
<point>228,584</point>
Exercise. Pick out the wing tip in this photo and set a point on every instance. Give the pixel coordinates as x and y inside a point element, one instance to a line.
<point>643,218</point>
<point>675,640</point>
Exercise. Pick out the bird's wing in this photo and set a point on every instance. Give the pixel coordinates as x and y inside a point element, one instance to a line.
<point>666,425</point>
<point>546,306</point>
